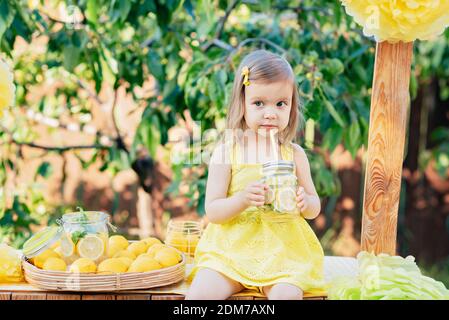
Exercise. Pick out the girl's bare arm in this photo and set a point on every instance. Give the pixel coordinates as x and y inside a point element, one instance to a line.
<point>219,207</point>
<point>305,180</point>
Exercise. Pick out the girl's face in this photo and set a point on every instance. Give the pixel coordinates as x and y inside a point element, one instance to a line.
<point>267,106</point>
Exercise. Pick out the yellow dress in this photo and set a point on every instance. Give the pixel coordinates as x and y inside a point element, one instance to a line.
<point>257,250</point>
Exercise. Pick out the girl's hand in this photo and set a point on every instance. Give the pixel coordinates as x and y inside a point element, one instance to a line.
<point>302,200</point>
<point>254,194</point>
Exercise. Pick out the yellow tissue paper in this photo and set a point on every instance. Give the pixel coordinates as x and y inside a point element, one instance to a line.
<point>400,20</point>
<point>10,264</point>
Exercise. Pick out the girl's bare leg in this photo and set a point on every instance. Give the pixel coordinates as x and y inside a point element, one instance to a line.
<point>209,284</point>
<point>283,291</point>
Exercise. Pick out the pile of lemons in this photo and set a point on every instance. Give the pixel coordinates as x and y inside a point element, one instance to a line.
<point>121,256</point>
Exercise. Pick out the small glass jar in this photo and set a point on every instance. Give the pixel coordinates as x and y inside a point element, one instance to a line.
<point>184,235</point>
<point>281,179</point>
<point>85,235</point>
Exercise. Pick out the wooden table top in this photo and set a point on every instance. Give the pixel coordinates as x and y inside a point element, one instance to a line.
<point>333,266</point>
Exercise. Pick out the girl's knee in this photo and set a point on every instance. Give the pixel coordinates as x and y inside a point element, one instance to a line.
<point>285,291</point>
<point>196,294</point>
<point>204,294</point>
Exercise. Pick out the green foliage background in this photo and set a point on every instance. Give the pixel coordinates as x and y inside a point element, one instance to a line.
<point>192,48</point>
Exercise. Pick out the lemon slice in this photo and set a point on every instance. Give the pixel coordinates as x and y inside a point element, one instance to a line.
<point>286,201</point>
<point>67,247</point>
<point>269,197</point>
<point>90,247</point>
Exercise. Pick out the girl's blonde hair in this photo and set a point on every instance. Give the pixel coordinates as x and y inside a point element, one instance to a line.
<point>264,67</point>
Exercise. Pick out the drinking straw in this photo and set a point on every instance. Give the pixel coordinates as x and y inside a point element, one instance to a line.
<point>273,144</point>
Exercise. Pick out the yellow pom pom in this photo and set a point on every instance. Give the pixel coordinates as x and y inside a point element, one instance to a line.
<point>401,20</point>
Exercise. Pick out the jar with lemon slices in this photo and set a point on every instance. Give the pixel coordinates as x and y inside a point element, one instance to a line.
<point>85,236</point>
<point>281,179</point>
<point>82,234</point>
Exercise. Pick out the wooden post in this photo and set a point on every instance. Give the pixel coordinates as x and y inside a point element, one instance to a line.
<point>388,116</point>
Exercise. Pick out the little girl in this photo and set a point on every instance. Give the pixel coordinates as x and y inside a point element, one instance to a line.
<point>241,247</point>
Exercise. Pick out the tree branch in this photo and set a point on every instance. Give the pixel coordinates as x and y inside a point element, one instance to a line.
<point>220,27</point>
<point>59,149</point>
<point>55,20</point>
<point>249,40</point>
<point>120,143</point>
<point>51,148</point>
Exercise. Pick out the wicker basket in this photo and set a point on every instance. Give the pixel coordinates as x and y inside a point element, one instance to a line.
<point>68,281</point>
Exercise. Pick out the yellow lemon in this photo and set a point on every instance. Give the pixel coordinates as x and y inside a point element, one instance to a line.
<point>156,247</point>
<point>137,248</point>
<point>287,200</point>
<point>113,249</point>
<point>124,253</point>
<point>67,246</point>
<point>269,197</point>
<point>112,265</point>
<point>126,261</point>
<point>83,265</point>
<point>104,237</point>
<point>58,251</point>
<point>146,255</point>
<point>55,245</point>
<point>144,264</point>
<point>167,257</point>
<point>90,247</point>
<point>40,259</point>
<point>151,241</point>
<point>119,241</point>
<point>54,264</point>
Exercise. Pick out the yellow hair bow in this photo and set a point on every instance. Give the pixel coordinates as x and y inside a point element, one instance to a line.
<point>245,73</point>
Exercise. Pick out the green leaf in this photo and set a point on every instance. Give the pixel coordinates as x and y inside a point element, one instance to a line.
<point>440,134</point>
<point>71,55</point>
<point>149,133</point>
<point>189,8</point>
<point>6,17</point>
<point>361,71</point>
<point>205,10</point>
<point>313,109</point>
<point>332,138</point>
<point>335,66</point>
<point>77,235</point>
<point>124,8</point>
<point>92,11</point>
<point>45,170</point>
<point>352,138</point>
<point>155,66</point>
<point>109,66</point>
<point>330,107</point>
<point>265,5</point>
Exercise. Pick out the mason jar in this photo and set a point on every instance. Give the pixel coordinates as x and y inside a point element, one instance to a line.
<point>184,235</point>
<point>85,235</point>
<point>281,179</point>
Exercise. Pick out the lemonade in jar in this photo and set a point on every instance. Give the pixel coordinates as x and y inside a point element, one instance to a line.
<point>183,235</point>
<point>281,179</point>
<point>85,235</point>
